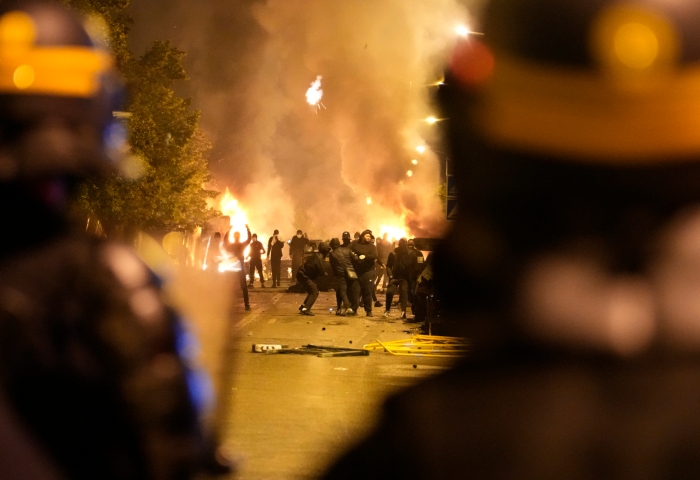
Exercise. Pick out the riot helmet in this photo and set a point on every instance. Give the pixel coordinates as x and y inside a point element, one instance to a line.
<point>58,92</point>
<point>567,123</point>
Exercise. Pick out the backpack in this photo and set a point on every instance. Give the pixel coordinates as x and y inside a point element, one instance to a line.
<point>401,267</point>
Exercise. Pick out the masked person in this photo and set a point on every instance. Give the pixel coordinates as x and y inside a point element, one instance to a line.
<point>399,270</point>
<point>572,267</point>
<point>91,364</point>
<point>236,249</point>
<point>364,257</point>
<point>296,251</point>
<point>274,253</point>
<point>255,262</point>
<point>310,271</point>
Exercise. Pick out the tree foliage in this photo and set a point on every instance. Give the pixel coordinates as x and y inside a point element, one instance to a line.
<point>167,147</point>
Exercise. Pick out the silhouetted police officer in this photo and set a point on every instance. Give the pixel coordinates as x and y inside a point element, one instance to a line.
<point>94,364</point>
<point>573,266</point>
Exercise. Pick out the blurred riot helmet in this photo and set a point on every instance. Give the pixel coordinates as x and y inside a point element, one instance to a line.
<point>571,126</point>
<point>58,91</point>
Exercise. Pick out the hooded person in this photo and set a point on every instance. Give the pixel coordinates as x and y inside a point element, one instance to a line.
<point>572,266</point>
<point>364,255</point>
<point>307,275</point>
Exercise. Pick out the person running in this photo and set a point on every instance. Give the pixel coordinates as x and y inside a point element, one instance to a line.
<point>311,270</point>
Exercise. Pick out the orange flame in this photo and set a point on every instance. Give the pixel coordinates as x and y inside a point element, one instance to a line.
<point>238,219</point>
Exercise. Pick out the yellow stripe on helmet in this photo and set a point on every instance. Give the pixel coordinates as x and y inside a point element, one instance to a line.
<point>64,71</point>
<point>26,68</point>
<point>590,115</point>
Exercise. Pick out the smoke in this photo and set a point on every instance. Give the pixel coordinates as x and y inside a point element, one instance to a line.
<point>294,165</point>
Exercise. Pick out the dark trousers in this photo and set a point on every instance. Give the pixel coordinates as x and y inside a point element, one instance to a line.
<point>374,287</point>
<point>244,285</point>
<point>402,286</point>
<point>275,264</point>
<point>297,260</point>
<point>366,290</point>
<point>256,263</point>
<point>382,277</point>
<point>353,293</point>
<point>311,291</point>
<point>341,295</point>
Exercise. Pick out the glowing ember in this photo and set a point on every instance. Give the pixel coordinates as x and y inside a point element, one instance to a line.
<point>431,120</point>
<point>420,149</point>
<point>462,31</point>
<point>409,173</point>
<point>314,93</point>
<point>369,200</point>
<point>414,161</point>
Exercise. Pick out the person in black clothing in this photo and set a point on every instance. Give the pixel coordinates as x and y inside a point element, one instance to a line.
<point>237,250</point>
<point>417,265</point>
<point>341,264</point>
<point>255,262</point>
<point>94,383</point>
<point>274,254</point>
<point>310,271</point>
<point>398,268</point>
<point>364,258</point>
<point>296,251</point>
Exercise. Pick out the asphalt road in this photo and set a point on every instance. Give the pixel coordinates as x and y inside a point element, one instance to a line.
<point>286,416</point>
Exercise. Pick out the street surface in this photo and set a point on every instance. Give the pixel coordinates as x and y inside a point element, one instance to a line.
<point>286,416</point>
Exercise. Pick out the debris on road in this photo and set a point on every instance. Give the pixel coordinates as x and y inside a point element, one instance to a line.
<point>266,347</point>
<point>318,350</point>
<point>423,346</point>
